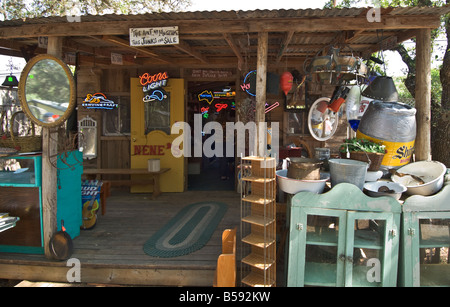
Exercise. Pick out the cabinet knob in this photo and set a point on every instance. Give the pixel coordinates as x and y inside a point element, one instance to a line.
<point>342,257</point>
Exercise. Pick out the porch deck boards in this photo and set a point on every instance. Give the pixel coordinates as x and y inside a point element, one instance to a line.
<point>113,253</point>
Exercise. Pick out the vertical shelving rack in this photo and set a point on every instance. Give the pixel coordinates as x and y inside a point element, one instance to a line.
<point>258,221</point>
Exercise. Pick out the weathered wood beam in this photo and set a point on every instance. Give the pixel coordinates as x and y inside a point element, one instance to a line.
<point>261,86</point>
<point>126,44</point>
<point>49,150</point>
<point>235,49</point>
<point>185,47</point>
<point>284,45</point>
<point>388,22</point>
<point>423,95</point>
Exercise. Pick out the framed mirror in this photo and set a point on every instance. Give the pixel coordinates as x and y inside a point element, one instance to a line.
<point>47,91</point>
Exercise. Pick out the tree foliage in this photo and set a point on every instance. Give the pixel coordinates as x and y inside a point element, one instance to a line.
<point>15,9</point>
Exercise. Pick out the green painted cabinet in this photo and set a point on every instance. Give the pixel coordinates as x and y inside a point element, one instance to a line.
<point>425,260</point>
<point>343,238</point>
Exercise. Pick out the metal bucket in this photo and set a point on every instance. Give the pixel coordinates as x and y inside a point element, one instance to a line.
<point>304,168</point>
<point>347,170</point>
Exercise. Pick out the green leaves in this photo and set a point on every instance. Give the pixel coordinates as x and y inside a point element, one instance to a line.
<point>356,144</point>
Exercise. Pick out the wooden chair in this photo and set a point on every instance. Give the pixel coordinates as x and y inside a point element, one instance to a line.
<point>225,275</point>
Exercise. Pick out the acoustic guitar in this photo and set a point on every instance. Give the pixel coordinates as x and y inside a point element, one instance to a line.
<point>89,212</point>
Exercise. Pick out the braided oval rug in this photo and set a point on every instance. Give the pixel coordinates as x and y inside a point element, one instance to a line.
<point>187,231</point>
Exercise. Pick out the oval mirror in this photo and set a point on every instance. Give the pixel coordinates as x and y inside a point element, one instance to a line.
<point>47,91</point>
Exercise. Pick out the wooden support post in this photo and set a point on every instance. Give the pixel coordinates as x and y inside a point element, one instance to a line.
<point>261,79</point>
<point>423,95</point>
<point>49,175</point>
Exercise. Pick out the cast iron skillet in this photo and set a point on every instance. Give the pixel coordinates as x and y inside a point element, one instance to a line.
<point>61,245</point>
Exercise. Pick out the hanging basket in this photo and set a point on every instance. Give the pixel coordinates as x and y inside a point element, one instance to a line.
<point>374,159</point>
<point>21,143</point>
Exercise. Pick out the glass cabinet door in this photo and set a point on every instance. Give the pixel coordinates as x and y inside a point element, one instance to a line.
<point>321,239</point>
<point>434,243</point>
<point>371,250</point>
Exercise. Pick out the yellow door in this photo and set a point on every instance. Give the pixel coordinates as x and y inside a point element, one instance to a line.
<point>151,123</point>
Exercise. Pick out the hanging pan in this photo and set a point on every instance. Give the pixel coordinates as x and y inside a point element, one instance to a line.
<point>61,245</point>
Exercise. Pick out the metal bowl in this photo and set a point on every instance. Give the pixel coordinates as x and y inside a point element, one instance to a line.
<point>431,172</point>
<point>373,189</point>
<point>293,186</point>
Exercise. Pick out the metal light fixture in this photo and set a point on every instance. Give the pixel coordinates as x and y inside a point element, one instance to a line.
<point>382,88</point>
<point>10,81</point>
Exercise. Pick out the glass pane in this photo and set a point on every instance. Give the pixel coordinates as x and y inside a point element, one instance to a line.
<point>321,250</point>
<point>434,248</point>
<point>157,113</point>
<point>17,171</point>
<point>368,252</point>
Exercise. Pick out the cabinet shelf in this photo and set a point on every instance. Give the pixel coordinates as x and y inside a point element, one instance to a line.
<point>258,261</point>
<point>257,280</point>
<point>258,240</point>
<point>258,179</point>
<point>258,220</point>
<point>257,199</point>
<point>324,237</point>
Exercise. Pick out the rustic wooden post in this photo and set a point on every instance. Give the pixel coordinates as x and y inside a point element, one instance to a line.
<point>49,174</point>
<point>261,79</point>
<point>423,95</point>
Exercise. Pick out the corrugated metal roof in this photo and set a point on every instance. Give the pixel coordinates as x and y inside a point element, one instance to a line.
<point>236,15</point>
<point>212,47</point>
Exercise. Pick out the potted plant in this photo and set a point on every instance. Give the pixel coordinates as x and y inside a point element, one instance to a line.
<point>364,150</point>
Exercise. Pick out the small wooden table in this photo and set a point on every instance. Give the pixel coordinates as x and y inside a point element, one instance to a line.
<point>153,177</point>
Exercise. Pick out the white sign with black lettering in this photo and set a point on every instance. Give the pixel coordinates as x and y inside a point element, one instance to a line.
<point>154,36</point>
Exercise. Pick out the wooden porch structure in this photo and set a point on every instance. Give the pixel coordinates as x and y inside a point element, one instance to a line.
<point>276,40</point>
<point>112,252</point>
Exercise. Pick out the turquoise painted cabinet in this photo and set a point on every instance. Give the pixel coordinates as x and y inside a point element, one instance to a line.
<point>425,260</point>
<point>343,238</point>
<point>69,171</point>
<point>21,195</point>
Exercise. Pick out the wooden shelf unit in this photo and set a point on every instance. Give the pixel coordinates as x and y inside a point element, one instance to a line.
<point>258,222</point>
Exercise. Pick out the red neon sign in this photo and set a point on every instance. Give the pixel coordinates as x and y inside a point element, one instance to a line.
<point>221,106</point>
<point>147,79</point>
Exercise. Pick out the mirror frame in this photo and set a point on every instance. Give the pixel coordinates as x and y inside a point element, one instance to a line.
<point>22,90</point>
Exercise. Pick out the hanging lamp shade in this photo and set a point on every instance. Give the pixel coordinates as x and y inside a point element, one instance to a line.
<point>286,82</point>
<point>382,88</point>
<point>10,81</point>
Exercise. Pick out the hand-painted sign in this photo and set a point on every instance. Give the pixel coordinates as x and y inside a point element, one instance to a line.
<point>99,101</point>
<point>151,150</point>
<point>154,36</point>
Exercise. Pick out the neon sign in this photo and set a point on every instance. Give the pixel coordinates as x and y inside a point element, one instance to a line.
<point>156,95</point>
<point>206,96</point>
<point>247,86</point>
<point>220,106</point>
<point>99,101</point>
<point>152,86</point>
<point>156,78</point>
<point>271,107</point>
<point>205,112</point>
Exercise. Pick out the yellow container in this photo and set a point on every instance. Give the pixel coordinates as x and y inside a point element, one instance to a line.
<point>398,153</point>
<point>392,124</point>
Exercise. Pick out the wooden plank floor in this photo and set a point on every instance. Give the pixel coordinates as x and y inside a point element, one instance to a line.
<point>112,251</point>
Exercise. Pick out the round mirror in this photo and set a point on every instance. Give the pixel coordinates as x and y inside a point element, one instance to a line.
<point>47,91</point>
